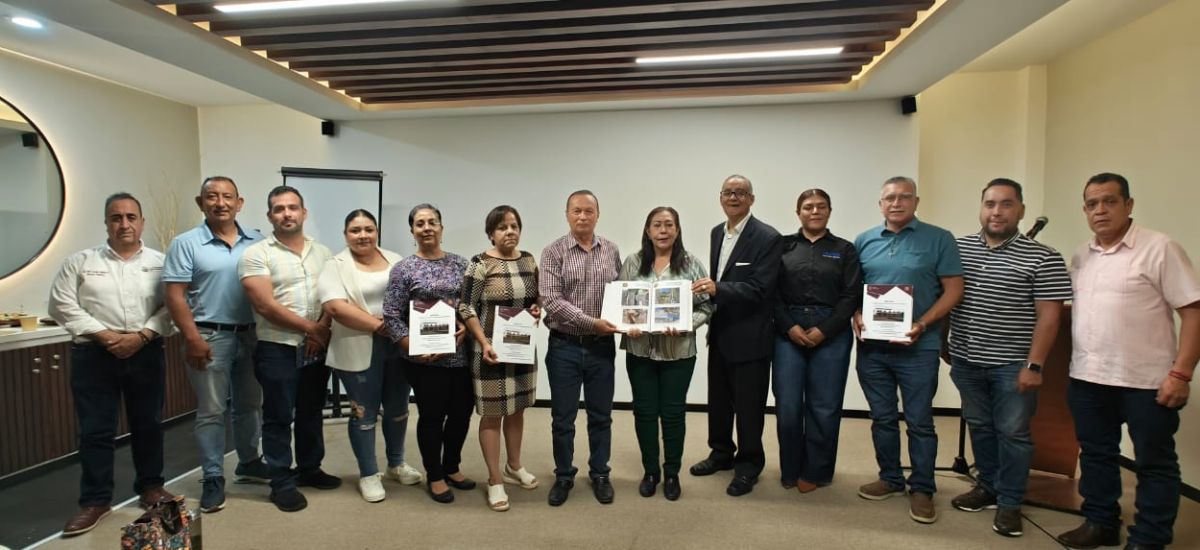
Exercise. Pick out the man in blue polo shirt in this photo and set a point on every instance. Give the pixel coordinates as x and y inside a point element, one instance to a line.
<point>903,250</point>
<point>205,298</point>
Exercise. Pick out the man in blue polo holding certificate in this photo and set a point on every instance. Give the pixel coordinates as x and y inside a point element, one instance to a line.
<point>905,251</point>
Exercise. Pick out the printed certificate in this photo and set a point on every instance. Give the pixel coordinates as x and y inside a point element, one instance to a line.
<point>512,335</point>
<point>430,327</point>
<point>887,312</point>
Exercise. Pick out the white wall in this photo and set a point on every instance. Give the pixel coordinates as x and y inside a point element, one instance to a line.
<point>1127,103</point>
<point>108,138</point>
<point>632,160</point>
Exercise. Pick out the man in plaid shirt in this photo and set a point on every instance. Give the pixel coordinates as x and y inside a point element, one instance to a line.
<point>573,272</point>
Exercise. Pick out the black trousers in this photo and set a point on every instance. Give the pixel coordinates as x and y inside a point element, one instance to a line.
<point>445,399</point>
<point>737,395</point>
<point>99,382</point>
<point>292,396</point>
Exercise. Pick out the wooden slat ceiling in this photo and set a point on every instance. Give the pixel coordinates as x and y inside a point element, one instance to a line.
<point>505,50</point>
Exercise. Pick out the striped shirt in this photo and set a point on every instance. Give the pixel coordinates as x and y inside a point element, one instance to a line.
<point>293,280</point>
<point>571,282</point>
<point>994,323</point>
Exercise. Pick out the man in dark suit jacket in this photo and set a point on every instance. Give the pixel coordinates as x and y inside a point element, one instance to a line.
<point>744,264</point>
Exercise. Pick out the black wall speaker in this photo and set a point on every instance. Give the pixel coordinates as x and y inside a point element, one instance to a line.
<point>908,105</point>
<point>328,128</point>
<point>29,139</point>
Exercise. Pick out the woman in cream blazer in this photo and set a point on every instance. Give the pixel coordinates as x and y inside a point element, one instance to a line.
<point>351,288</point>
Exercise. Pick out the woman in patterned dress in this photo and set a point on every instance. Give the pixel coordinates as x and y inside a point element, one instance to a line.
<point>441,382</point>
<point>503,275</point>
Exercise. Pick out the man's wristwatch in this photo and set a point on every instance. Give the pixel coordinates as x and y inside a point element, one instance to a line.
<point>1033,367</point>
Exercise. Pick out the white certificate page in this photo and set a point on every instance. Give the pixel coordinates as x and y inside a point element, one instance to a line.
<point>430,327</point>
<point>512,335</point>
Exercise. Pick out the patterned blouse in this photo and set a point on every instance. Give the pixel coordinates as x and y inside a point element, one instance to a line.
<point>661,347</point>
<point>415,277</point>
<point>491,282</point>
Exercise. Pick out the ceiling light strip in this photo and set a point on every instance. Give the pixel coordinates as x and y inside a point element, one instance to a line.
<point>740,56</point>
<point>277,5</point>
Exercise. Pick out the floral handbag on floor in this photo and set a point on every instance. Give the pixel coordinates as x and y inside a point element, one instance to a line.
<point>164,526</point>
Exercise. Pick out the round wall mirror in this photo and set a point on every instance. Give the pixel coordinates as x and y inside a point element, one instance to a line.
<point>31,190</point>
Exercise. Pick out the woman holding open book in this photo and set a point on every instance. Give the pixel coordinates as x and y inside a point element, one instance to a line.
<point>820,286</point>
<point>430,279</point>
<point>500,283</point>
<point>660,365</point>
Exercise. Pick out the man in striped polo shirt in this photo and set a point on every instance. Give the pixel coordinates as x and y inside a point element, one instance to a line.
<point>1000,335</point>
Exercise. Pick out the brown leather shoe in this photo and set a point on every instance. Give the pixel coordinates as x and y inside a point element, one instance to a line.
<point>1090,535</point>
<point>85,520</point>
<point>150,497</point>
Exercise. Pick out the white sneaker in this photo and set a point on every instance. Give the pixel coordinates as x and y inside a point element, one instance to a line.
<point>371,488</point>
<point>405,474</point>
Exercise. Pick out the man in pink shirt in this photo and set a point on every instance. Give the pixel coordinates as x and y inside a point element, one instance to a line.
<point>1127,367</point>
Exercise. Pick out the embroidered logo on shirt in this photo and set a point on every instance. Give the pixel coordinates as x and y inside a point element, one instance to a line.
<point>832,255</point>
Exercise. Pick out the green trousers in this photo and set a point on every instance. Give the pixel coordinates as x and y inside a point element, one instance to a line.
<point>660,393</point>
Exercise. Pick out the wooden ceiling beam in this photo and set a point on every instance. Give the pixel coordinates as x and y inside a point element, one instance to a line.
<point>613,69</point>
<point>643,45</point>
<point>325,37</point>
<point>606,90</point>
<point>665,76</point>
<point>855,46</point>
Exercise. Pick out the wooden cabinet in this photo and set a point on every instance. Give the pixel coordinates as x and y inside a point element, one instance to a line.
<point>37,414</point>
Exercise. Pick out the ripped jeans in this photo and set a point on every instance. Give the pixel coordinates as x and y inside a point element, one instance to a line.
<point>382,384</point>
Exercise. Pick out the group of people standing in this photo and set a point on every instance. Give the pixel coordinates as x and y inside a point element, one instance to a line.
<point>264,318</point>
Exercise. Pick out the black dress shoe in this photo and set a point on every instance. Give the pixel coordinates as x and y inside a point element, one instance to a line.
<point>708,467</point>
<point>603,489</point>
<point>318,479</point>
<point>465,484</point>
<point>671,488</point>
<point>560,491</point>
<point>288,500</point>
<point>445,497</point>
<point>649,485</point>
<point>741,485</point>
<point>1090,535</point>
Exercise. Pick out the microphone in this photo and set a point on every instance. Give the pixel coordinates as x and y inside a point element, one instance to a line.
<point>1038,226</point>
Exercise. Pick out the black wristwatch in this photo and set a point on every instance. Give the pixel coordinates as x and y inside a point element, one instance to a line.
<point>1033,367</point>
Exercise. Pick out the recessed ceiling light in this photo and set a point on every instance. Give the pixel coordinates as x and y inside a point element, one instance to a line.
<point>274,5</point>
<point>27,22</point>
<point>740,56</point>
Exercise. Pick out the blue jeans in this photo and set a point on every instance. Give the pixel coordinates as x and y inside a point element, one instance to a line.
<point>1099,411</point>
<point>999,419</point>
<point>99,381</point>
<point>230,373</point>
<point>383,383</point>
<point>291,395</point>
<point>570,366</point>
<point>882,369</point>
<point>809,386</point>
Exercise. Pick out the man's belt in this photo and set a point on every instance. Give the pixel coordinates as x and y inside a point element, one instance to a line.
<point>225,328</point>
<point>582,339</point>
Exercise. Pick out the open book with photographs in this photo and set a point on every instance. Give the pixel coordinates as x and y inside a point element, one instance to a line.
<point>649,307</point>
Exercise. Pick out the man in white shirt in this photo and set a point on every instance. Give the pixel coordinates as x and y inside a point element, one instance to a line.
<point>110,299</point>
<point>280,276</point>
